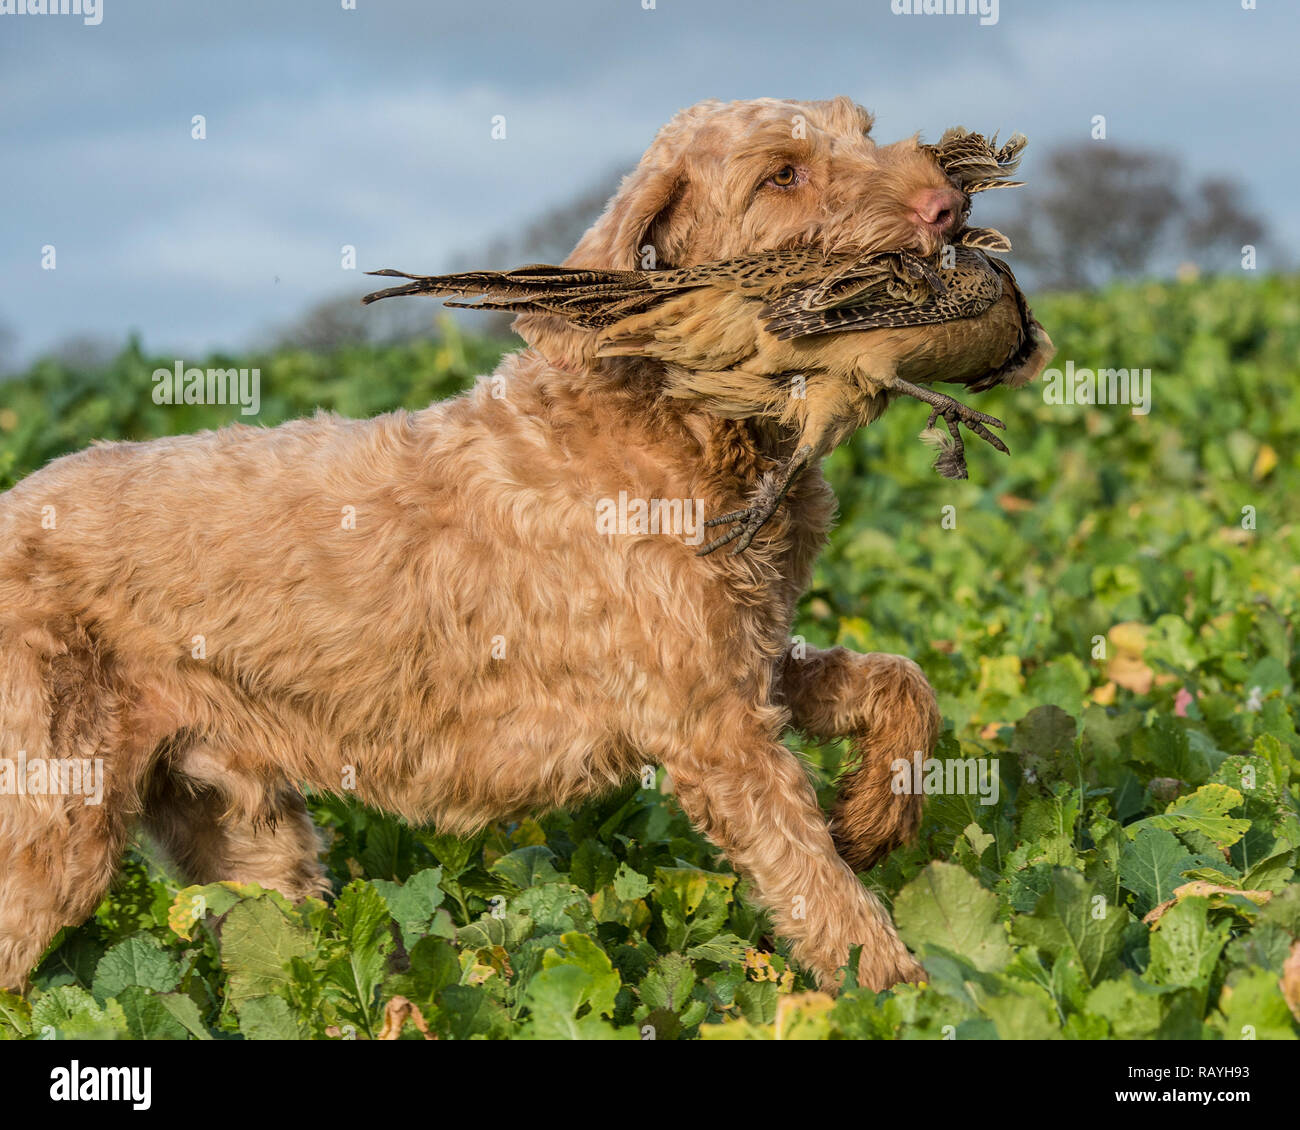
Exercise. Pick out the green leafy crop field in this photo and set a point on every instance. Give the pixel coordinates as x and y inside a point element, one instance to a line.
<point>1107,616</point>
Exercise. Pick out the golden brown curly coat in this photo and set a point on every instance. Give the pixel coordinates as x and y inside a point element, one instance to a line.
<point>419,609</point>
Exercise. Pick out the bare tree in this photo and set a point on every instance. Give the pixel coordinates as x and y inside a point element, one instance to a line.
<point>1100,211</point>
<point>1104,210</point>
<point>1218,224</point>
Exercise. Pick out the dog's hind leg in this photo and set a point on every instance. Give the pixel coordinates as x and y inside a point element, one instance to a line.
<point>886,706</point>
<point>217,824</point>
<point>58,858</point>
<point>752,797</point>
<point>69,788</point>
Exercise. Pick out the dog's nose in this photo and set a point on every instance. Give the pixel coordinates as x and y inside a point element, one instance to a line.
<point>938,207</point>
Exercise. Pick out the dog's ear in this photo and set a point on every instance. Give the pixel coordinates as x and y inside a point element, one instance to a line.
<point>633,233</point>
<point>636,222</point>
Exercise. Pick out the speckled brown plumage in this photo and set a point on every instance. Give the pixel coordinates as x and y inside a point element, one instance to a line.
<point>846,331</point>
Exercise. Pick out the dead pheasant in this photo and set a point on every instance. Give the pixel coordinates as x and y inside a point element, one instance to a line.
<point>817,342</point>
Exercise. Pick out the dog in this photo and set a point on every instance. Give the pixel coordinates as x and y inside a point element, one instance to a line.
<point>421,610</point>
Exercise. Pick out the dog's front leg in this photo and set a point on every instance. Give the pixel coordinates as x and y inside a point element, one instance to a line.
<point>751,796</point>
<point>885,705</point>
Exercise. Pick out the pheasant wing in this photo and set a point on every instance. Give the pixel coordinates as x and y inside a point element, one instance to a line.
<point>909,293</point>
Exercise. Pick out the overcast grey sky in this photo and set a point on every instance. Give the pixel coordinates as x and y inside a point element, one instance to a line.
<point>372,126</point>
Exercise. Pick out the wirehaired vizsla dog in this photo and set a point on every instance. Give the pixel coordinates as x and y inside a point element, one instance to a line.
<point>425,605</point>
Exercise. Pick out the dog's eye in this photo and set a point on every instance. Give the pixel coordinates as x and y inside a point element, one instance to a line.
<point>784,177</point>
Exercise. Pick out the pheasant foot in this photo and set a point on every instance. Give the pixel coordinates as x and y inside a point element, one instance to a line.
<point>747,522</point>
<point>951,463</point>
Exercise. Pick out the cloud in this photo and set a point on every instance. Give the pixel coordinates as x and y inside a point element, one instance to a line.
<point>372,127</point>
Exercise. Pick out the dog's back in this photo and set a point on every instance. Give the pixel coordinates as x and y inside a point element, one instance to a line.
<point>424,592</point>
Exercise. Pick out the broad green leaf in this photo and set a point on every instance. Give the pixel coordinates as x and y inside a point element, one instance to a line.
<point>581,951</point>
<point>268,1018</point>
<point>557,995</point>
<point>694,903</point>
<point>1023,885</point>
<point>1103,866</point>
<point>1252,776</point>
<point>1284,910</point>
<point>1271,874</point>
<point>136,961</point>
<point>414,905</point>
<point>632,915</point>
<point>452,852</point>
<point>979,840</point>
<point>947,907</point>
<point>506,929</point>
<point>803,1016</point>
<point>147,1017</point>
<point>668,986</point>
<point>527,866</point>
<point>1267,946</point>
<point>738,1029</point>
<point>191,904</point>
<point>434,964</point>
<point>1152,864</point>
<point>1051,817</point>
<point>15,1016</point>
<point>954,976</point>
<point>1021,1011</point>
<point>1044,743</point>
<point>721,948</point>
<point>592,865</point>
<point>1130,1008</point>
<point>1074,917</point>
<point>186,1013</point>
<point>757,1001</point>
<point>1270,749</point>
<point>389,845</point>
<point>69,1012</point>
<point>1184,947</point>
<point>257,943</point>
<point>630,885</point>
<point>549,905</point>
<point>468,1011</point>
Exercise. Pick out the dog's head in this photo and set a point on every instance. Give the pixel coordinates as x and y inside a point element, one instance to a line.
<point>727,179</point>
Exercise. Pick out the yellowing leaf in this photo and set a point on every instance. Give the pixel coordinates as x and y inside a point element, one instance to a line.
<point>803,1016</point>
<point>191,904</point>
<point>1265,461</point>
<point>1199,888</point>
<point>1104,695</point>
<point>1129,637</point>
<point>1126,667</point>
<point>1205,811</point>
